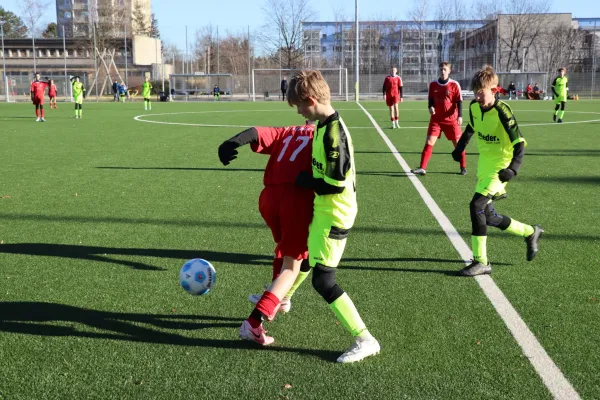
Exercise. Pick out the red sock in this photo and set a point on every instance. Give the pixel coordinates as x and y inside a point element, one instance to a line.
<point>42,110</point>
<point>267,304</point>
<point>396,118</point>
<point>392,119</point>
<point>426,155</point>
<point>463,160</point>
<point>277,265</point>
<point>37,112</point>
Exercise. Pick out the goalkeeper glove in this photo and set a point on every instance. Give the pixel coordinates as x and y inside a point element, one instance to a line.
<point>506,174</point>
<point>305,179</point>
<point>228,152</point>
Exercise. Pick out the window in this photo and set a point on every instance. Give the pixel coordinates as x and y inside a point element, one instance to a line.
<point>324,36</point>
<point>324,49</point>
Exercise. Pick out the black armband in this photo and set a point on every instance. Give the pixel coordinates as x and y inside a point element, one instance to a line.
<point>401,91</point>
<point>459,107</point>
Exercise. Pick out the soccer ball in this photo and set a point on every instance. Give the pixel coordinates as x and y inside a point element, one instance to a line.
<point>197,276</point>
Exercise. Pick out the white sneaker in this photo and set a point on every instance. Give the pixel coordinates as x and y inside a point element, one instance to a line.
<point>359,350</point>
<point>43,120</point>
<point>284,307</point>
<point>38,119</point>
<point>418,171</point>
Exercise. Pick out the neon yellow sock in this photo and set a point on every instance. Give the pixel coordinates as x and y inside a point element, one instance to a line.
<point>479,245</point>
<point>556,112</point>
<point>519,229</point>
<point>299,279</point>
<point>561,113</point>
<point>346,313</point>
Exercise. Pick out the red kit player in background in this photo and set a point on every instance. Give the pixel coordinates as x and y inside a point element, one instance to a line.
<point>38,89</point>
<point>392,93</point>
<point>52,94</point>
<point>286,208</point>
<point>445,107</point>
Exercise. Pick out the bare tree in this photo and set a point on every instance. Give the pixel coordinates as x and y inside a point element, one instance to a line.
<point>283,30</point>
<point>419,14</point>
<point>525,23</point>
<point>32,13</point>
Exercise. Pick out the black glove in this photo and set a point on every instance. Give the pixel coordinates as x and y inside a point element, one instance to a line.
<point>228,152</point>
<point>506,174</point>
<point>457,154</point>
<point>305,180</point>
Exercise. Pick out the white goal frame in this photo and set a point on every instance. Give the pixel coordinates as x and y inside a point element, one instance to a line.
<point>342,76</point>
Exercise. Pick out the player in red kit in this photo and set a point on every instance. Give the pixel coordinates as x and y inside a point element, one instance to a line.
<point>38,89</point>
<point>52,94</point>
<point>392,93</point>
<point>286,208</point>
<point>445,107</point>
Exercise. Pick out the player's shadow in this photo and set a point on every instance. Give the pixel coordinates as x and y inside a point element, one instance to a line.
<point>103,254</point>
<point>52,319</point>
<point>223,169</point>
<point>418,260</point>
<point>590,180</point>
<point>227,169</point>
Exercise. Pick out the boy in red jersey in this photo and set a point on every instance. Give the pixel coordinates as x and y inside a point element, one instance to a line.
<point>37,90</point>
<point>287,210</point>
<point>392,93</point>
<point>445,107</point>
<point>52,94</point>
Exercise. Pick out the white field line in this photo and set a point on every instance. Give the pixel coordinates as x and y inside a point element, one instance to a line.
<point>551,375</point>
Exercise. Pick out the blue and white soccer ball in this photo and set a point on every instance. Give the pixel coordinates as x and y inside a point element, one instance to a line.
<point>197,276</point>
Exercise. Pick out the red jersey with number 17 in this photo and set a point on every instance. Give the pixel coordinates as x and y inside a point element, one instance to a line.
<point>392,85</point>
<point>445,100</point>
<point>290,150</point>
<point>38,88</point>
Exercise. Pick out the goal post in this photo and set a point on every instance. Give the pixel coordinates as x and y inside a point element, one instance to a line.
<point>266,82</point>
<point>199,86</point>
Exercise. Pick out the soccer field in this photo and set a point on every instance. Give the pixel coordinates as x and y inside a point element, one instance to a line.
<point>98,215</point>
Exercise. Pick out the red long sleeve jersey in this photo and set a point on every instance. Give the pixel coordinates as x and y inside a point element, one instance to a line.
<point>445,100</point>
<point>392,85</point>
<point>38,88</point>
<point>290,150</point>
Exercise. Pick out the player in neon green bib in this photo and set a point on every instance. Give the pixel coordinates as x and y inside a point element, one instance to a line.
<point>146,91</point>
<point>559,89</point>
<point>78,96</point>
<point>333,179</point>
<point>501,151</point>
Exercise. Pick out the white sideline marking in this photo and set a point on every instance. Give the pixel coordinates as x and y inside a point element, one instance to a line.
<point>551,375</point>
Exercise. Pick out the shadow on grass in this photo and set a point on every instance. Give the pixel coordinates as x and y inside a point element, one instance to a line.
<point>38,318</point>
<point>97,253</point>
<point>591,180</point>
<point>225,169</point>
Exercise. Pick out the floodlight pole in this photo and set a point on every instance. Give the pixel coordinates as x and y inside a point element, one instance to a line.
<point>4,79</point>
<point>357,66</point>
<point>65,58</point>
<point>125,41</point>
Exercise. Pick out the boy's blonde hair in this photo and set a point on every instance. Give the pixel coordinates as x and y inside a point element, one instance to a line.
<point>485,78</point>
<point>308,83</point>
<point>445,64</point>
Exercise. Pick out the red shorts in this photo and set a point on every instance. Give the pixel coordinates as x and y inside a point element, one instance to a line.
<point>288,211</point>
<point>391,100</point>
<point>38,101</point>
<point>52,96</point>
<point>451,129</point>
